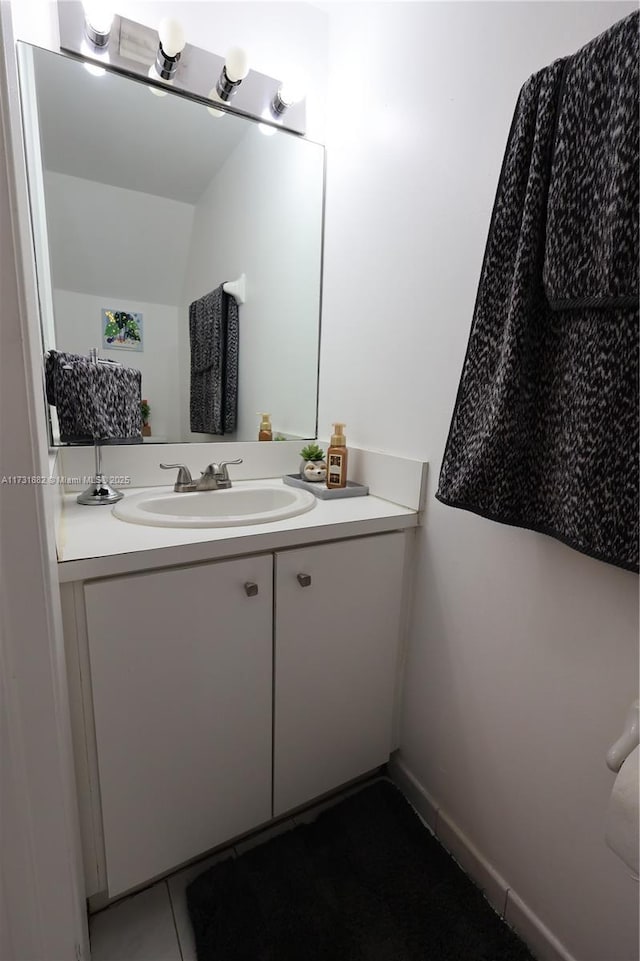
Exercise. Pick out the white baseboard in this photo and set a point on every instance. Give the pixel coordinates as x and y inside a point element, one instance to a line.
<point>504,900</point>
<point>542,942</point>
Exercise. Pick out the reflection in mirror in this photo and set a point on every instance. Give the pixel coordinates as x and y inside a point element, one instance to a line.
<point>141,206</point>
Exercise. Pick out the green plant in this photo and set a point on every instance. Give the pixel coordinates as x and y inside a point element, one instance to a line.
<point>312,452</point>
<point>145,410</point>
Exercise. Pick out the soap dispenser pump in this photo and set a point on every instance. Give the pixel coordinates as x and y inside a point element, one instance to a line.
<point>265,432</point>
<point>337,458</point>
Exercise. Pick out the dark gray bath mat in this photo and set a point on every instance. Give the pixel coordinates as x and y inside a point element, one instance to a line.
<point>365,882</point>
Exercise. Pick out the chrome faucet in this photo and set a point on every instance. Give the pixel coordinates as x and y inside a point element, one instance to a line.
<point>214,478</point>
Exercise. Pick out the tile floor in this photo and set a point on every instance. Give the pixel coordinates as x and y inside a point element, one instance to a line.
<point>154,925</point>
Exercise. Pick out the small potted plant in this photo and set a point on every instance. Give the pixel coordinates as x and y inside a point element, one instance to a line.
<point>313,466</point>
<point>145,411</point>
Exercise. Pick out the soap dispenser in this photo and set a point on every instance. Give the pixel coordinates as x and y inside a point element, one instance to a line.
<point>337,458</point>
<point>265,432</point>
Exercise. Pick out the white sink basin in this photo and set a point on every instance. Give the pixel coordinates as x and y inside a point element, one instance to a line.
<point>247,502</point>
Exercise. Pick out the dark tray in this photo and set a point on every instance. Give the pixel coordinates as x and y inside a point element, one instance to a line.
<point>320,489</point>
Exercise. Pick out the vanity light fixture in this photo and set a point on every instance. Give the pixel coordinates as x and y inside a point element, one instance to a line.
<point>171,44</point>
<point>98,20</point>
<point>235,69</point>
<point>163,59</point>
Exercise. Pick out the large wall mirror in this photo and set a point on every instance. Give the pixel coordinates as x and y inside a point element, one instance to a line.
<point>141,205</point>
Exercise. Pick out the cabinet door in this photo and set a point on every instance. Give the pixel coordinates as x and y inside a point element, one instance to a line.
<point>336,653</point>
<point>181,670</point>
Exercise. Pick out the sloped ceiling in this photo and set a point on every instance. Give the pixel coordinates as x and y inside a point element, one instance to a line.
<point>112,130</point>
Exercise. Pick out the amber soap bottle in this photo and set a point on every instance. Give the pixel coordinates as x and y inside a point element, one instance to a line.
<point>337,458</point>
<point>265,432</point>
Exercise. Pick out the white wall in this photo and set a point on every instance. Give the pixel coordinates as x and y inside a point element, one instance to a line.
<point>105,238</point>
<point>265,198</point>
<point>524,654</point>
<point>41,891</point>
<point>78,329</point>
<point>111,247</point>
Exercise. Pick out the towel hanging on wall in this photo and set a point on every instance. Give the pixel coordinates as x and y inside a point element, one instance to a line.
<point>591,252</point>
<point>94,400</point>
<point>544,432</point>
<point>214,337</point>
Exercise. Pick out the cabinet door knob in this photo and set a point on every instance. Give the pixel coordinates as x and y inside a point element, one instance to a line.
<point>251,589</point>
<point>304,580</point>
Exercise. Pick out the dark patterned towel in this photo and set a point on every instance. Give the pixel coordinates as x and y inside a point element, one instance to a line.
<point>214,336</point>
<point>544,433</point>
<point>94,401</point>
<point>592,216</point>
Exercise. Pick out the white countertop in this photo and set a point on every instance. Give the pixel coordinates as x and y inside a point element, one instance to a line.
<point>93,543</point>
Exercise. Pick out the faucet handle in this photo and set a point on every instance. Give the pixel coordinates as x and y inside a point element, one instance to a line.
<point>220,473</point>
<point>184,478</point>
<point>221,468</point>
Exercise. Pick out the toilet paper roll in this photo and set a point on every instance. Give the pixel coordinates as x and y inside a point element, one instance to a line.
<point>621,825</point>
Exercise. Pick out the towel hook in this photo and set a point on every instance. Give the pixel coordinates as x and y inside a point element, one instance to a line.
<point>237,288</point>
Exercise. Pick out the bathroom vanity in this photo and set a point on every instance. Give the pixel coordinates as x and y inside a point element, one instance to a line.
<point>222,678</point>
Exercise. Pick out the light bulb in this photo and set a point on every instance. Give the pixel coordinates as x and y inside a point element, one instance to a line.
<point>154,75</point>
<point>213,95</point>
<point>98,15</point>
<point>171,36</point>
<point>236,64</point>
<point>98,19</point>
<point>236,68</point>
<point>292,90</point>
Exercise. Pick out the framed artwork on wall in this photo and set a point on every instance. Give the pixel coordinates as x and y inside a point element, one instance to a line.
<point>121,330</point>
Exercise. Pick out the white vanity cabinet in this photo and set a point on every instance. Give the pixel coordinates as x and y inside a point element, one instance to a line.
<point>337,621</point>
<point>203,708</point>
<point>181,673</point>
